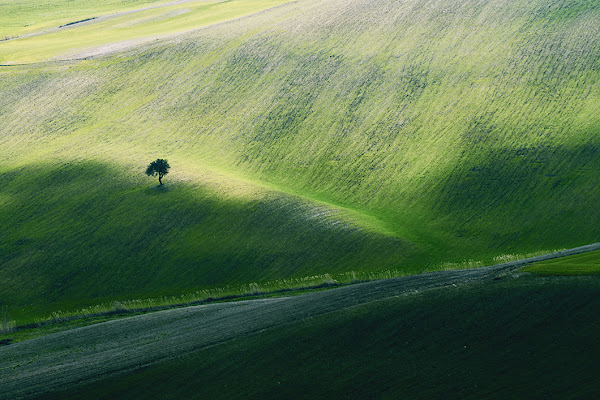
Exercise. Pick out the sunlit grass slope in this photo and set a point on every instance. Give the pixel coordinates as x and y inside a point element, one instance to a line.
<point>79,27</point>
<point>452,129</point>
<point>518,338</point>
<point>22,17</point>
<point>581,264</point>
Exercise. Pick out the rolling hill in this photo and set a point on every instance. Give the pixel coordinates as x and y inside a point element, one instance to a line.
<point>307,137</point>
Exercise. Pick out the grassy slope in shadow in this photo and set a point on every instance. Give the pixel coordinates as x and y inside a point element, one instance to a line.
<point>528,337</point>
<point>82,233</point>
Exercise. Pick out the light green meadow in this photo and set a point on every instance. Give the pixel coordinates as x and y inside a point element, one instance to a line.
<point>581,264</point>
<point>106,26</point>
<point>20,17</point>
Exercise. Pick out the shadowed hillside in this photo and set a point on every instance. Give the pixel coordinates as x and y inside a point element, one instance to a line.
<point>517,336</point>
<point>81,235</point>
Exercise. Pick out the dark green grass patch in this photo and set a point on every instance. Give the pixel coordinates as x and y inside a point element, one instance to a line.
<point>82,233</point>
<point>581,264</point>
<point>526,337</point>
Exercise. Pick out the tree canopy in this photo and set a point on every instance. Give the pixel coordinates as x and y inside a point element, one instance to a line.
<point>158,167</point>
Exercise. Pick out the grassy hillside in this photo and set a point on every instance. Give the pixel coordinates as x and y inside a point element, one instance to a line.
<point>19,18</point>
<point>527,337</point>
<point>314,137</point>
<point>68,30</point>
<point>581,264</point>
<point>80,235</point>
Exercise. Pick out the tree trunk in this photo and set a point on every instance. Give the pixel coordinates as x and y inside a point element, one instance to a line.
<point>160,179</point>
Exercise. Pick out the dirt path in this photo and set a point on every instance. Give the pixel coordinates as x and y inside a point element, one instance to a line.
<point>84,354</point>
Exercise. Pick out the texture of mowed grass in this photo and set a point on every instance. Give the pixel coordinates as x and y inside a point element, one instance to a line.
<point>453,130</point>
<point>530,337</point>
<point>18,17</point>
<point>581,264</point>
<point>146,23</point>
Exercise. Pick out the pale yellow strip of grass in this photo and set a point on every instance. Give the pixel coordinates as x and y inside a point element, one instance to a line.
<point>127,30</point>
<point>26,17</point>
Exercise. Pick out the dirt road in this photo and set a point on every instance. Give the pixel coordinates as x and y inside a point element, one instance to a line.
<point>84,354</point>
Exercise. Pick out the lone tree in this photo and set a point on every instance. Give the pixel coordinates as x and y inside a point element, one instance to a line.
<point>159,167</point>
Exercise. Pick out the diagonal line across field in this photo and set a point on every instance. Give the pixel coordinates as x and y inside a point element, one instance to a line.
<point>89,353</point>
<point>99,19</point>
<point>89,34</point>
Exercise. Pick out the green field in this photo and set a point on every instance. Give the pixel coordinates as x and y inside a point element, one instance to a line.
<point>20,18</point>
<point>74,28</point>
<point>315,137</point>
<point>581,264</point>
<point>517,338</point>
